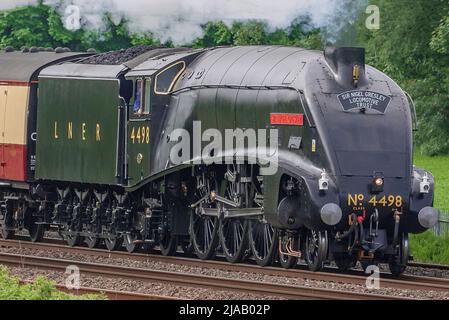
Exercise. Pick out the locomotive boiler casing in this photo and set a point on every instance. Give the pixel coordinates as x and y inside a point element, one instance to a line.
<point>230,88</point>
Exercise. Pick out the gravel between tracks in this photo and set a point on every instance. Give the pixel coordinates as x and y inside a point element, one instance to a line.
<point>154,288</point>
<point>412,271</point>
<point>163,266</point>
<point>427,272</point>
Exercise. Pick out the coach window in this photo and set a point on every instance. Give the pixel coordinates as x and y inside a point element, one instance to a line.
<point>166,79</point>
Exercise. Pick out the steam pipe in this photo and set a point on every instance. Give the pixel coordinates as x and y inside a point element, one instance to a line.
<point>397,218</point>
<point>351,229</point>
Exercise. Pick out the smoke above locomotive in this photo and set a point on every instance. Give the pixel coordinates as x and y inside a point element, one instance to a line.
<point>181,21</point>
<point>109,166</point>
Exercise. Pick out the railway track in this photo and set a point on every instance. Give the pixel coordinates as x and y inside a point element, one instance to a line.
<point>186,279</point>
<point>114,295</point>
<point>405,282</point>
<point>110,294</point>
<point>429,265</point>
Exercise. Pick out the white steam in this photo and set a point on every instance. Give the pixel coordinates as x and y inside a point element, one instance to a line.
<point>181,20</point>
<point>9,4</point>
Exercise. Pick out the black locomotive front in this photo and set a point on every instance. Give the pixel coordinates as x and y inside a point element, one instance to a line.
<point>364,122</point>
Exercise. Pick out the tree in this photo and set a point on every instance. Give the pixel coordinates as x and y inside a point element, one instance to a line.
<point>249,33</point>
<point>215,34</point>
<point>25,26</point>
<point>114,37</point>
<point>61,36</point>
<point>255,32</point>
<point>411,47</point>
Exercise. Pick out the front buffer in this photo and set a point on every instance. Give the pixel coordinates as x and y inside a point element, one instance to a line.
<point>370,223</point>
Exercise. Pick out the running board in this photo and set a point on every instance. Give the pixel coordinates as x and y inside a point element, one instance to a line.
<point>238,213</point>
<point>232,213</point>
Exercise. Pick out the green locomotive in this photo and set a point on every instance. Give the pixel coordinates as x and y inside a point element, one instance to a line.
<point>275,153</point>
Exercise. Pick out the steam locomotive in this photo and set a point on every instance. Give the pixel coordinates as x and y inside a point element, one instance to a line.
<point>129,152</point>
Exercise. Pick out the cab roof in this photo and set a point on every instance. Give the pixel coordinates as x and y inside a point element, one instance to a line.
<point>25,67</point>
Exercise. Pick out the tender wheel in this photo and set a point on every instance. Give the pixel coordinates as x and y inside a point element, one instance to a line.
<point>5,232</point>
<point>288,241</point>
<point>169,245</point>
<point>399,263</point>
<point>73,239</point>
<point>316,249</point>
<point>263,240</point>
<point>129,242</point>
<point>204,228</point>
<point>93,228</point>
<point>92,241</point>
<point>7,223</point>
<point>73,229</point>
<point>36,231</point>
<point>345,262</point>
<point>113,242</point>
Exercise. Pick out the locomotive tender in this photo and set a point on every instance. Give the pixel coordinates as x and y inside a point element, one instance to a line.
<point>87,147</point>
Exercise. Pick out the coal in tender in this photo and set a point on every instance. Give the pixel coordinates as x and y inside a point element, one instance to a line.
<point>119,56</point>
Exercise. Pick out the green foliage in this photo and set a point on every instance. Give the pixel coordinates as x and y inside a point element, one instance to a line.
<point>215,34</point>
<point>427,247</point>
<point>258,33</point>
<point>432,102</point>
<point>41,289</point>
<point>114,37</point>
<point>439,166</point>
<point>25,26</point>
<point>60,34</point>
<point>138,39</point>
<point>440,37</point>
<point>42,26</point>
<point>411,47</point>
<point>249,33</point>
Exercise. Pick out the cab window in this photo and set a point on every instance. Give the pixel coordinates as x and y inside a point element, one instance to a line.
<point>148,101</point>
<point>166,79</point>
<point>142,97</point>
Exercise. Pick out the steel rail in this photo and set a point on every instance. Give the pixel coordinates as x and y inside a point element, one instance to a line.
<point>113,294</point>
<point>110,294</point>
<point>429,265</point>
<point>405,282</point>
<point>190,280</point>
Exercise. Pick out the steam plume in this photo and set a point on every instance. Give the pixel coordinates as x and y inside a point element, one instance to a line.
<point>181,20</point>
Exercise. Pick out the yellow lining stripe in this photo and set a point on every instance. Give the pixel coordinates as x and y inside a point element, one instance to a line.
<point>174,80</point>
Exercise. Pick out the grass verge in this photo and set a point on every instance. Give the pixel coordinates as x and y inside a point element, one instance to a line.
<point>42,289</point>
<point>439,166</point>
<point>427,247</point>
